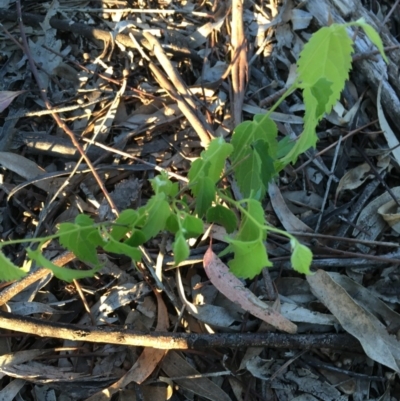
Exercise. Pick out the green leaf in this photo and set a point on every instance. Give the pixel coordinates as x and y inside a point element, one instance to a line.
<point>204,192</point>
<point>185,224</point>
<point>124,223</point>
<point>285,145</point>
<point>137,238</point>
<point>250,258</point>
<point>202,186</point>
<point>245,134</point>
<point>84,220</point>
<point>250,226</point>
<point>267,163</point>
<point>162,184</point>
<point>9,271</point>
<point>255,147</point>
<point>211,161</point>
<point>181,248</point>
<point>61,273</point>
<point>95,238</point>
<point>248,177</point>
<point>206,171</point>
<point>301,257</point>
<point>327,55</point>
<point>124,249</point>
<point>172,224</point>
<point>192,226</point>
<point>82,238</point>
<point>157,211</point>
<point>308,138</point>
<point>80,241</point>
<point>197,169</point>
<point>216,154</point>
<point>250,254</point>
<point>224,216</point>
<point>321,91</point>
<point>323,69</point>
<point>373,36</point>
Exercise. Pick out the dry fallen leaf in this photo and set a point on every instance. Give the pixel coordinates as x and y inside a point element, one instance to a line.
<point>6,97</point>
<point>24,167</point>
<point>367,300</point>
<point>377,343</point>
<point>390,212</point>
<point>174,365</point>
<point>230,286</point>
<point>354,178</point>
<point>146,363</point>
<point>11,390</point>
<point>391,138</point>
<point>369,219</point>
<point>289,221</point>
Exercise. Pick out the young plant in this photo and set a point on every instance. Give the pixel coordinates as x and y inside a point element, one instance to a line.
<point>256,157</point>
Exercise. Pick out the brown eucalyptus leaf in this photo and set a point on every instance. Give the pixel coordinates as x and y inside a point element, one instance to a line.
<point>289,221</point>
<point>377,343</point>
<point>230,286</point>
<point>354,178</point>
<point>174,365</point>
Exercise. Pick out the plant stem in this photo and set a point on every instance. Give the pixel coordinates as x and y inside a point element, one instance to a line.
<point>242,210</point>
<point>288,92</point>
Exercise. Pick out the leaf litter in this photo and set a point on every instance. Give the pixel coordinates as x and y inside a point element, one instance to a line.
<point>102,88</point>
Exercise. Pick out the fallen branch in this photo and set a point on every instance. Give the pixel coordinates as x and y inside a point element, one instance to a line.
<point>169,341</point>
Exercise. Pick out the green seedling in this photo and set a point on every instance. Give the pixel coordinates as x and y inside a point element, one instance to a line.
<point>256,156</point>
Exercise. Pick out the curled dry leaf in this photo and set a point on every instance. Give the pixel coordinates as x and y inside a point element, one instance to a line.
<point>383,162</point>
<point>370,220</point>
<point>358,175</point>
<point>390,212</point>
<point>200,36</point>
<point>230,286</point>
<point>354,178</point>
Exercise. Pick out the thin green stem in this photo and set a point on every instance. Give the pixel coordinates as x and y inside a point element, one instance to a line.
<point>25,240</point>
<point>54,236</point>
<point>288,92</point>
<point>242,210</point>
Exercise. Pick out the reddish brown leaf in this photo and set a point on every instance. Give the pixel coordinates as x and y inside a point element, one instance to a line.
<point>234,290</point>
